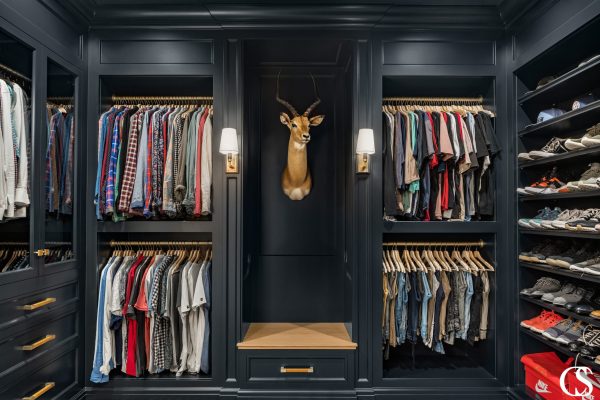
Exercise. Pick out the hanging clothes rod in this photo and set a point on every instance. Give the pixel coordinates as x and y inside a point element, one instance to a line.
<point>116,243</point>
<point>431,100</point>
<point>14,73</point>
<point>479,243</point>
<point>58,99</point>
<point>117,99</point>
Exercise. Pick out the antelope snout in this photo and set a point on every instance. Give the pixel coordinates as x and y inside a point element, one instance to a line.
<point>305,137</point>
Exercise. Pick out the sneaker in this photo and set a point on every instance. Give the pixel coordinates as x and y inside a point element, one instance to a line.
<point>543,285</point>
<point>539,183</point>
<point>564,216</point>
<point>589,177</point>
<point>587,221</point>
<point>573,334</point>
<point>590,336</point>
<point>591,180</point>
<point>560,223</point>
<point>550,321</point>
<point>536,223</point>
<point>542,214</point>
<point>552,248</point>
<point>576,254</point>
<point>576,296</point>
<point>552,185</point>
<point>592,136</point>
<point>553,147</point>
<point>528,255</point>
<point>529,323</point>
<point>593,269</point>
<point>558,329</point>
<point>580,266</point>
<point>566,289</point>
<point>524,157</point>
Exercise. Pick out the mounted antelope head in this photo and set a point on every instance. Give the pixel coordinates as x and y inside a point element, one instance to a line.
<point>296,181</point>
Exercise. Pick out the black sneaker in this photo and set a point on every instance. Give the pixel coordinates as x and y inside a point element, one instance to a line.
<point>527,255</point>
<point>553,248</point>
<point>573,256</point>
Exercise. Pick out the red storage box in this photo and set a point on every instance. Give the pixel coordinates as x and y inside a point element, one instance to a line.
<point>577,385</point>
<point>542,375</point>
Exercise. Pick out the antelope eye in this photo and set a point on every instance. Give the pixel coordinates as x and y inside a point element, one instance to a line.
<point>294,125</point>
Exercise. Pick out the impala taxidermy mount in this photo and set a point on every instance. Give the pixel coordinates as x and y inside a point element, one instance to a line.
<point>296,180</point>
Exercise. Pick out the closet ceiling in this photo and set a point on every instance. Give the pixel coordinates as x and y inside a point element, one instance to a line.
<point>351,14</point>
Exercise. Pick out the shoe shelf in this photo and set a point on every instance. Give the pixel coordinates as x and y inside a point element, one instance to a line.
<point>569,85</point>
<point>553,196</point>
<point>559,348</point>
<point>561,310</point>
<point>581,118</point>
<point>560,233</point>
<point>591,152</point>
<point>561,271</point>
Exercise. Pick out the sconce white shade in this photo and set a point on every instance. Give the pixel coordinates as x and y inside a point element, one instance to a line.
<point>365,143</point>
<point>229,142</point>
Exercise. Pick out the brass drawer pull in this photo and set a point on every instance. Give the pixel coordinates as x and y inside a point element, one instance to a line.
<point>297,370</point>
<point>47,387</point>
<point>41,342</point>
<point>39,304</point>
<point>42,252</point>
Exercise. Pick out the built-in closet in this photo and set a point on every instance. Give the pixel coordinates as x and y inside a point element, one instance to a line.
<point>302,287</point>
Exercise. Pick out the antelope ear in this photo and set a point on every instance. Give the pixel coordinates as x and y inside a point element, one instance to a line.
<point>316,120</point>
<point>285,119</point>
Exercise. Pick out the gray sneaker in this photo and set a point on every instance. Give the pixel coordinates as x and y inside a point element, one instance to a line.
<point>573,334</point>
<point>543,285</point>
<point>560,223</point>
<point>559,329</point>
<point>575,297</point>
<point>566,289</point>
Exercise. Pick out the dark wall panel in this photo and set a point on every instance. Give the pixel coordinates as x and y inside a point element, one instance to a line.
<point>438,53</point>
<point>298,289</point>
<point>156,52</point>
<point>306,226</point>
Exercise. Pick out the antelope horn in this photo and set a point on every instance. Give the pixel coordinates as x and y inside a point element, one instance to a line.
<point>285,103</point>
<point>316,103</point>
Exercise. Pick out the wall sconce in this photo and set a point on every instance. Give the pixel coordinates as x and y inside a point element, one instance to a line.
<point>229,147</point>
<point>365,145</point>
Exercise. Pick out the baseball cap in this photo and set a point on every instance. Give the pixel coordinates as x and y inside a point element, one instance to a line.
<point>548,114</point>
<point>583,101</point>
<point>544,81</point>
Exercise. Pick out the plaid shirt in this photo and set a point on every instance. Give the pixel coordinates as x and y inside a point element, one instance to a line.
<point>161,325</point>
<point>112,164</point>
<point>130,162</point>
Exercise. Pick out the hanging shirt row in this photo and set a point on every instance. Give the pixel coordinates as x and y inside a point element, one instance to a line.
<point>154,162</point>
<point>153,313</point>
<point>59,159</point>
<point>437,295</point>
<point>14,151</point>
<point>438,164</point>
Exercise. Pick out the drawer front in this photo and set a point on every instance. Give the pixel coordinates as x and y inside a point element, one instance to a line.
<point>45,382</point>
<point>17,308</point>
<point>25,345</point>
<point>300,370</point>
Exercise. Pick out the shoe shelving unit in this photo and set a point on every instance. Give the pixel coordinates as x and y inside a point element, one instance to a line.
<point>573,80</point>
<point>582,155</point>
<point>560,349</point>
<point>562,311</point>
<point>582,276</point>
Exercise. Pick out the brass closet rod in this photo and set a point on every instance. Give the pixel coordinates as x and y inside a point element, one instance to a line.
<point>116,99</point>
<point>15,73</point>
<point>432,100</point>
<point>116,243</point>
<point>479,243</point>
<point>58,99</point>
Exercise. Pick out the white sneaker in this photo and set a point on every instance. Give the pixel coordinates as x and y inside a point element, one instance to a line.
<point>588,179</point>
<point>524,157</point>
<point>562,217</point>
<point>574,144</point>
<point>592,136</point>
<point>574,215</point>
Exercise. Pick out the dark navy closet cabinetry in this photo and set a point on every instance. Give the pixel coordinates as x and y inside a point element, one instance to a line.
<point>279,266</point>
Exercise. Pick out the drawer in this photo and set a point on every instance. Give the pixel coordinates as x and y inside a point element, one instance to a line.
<point>17,308</point>
<point>27,344</point>
<point>299,368</point>
<point>46,381</point>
